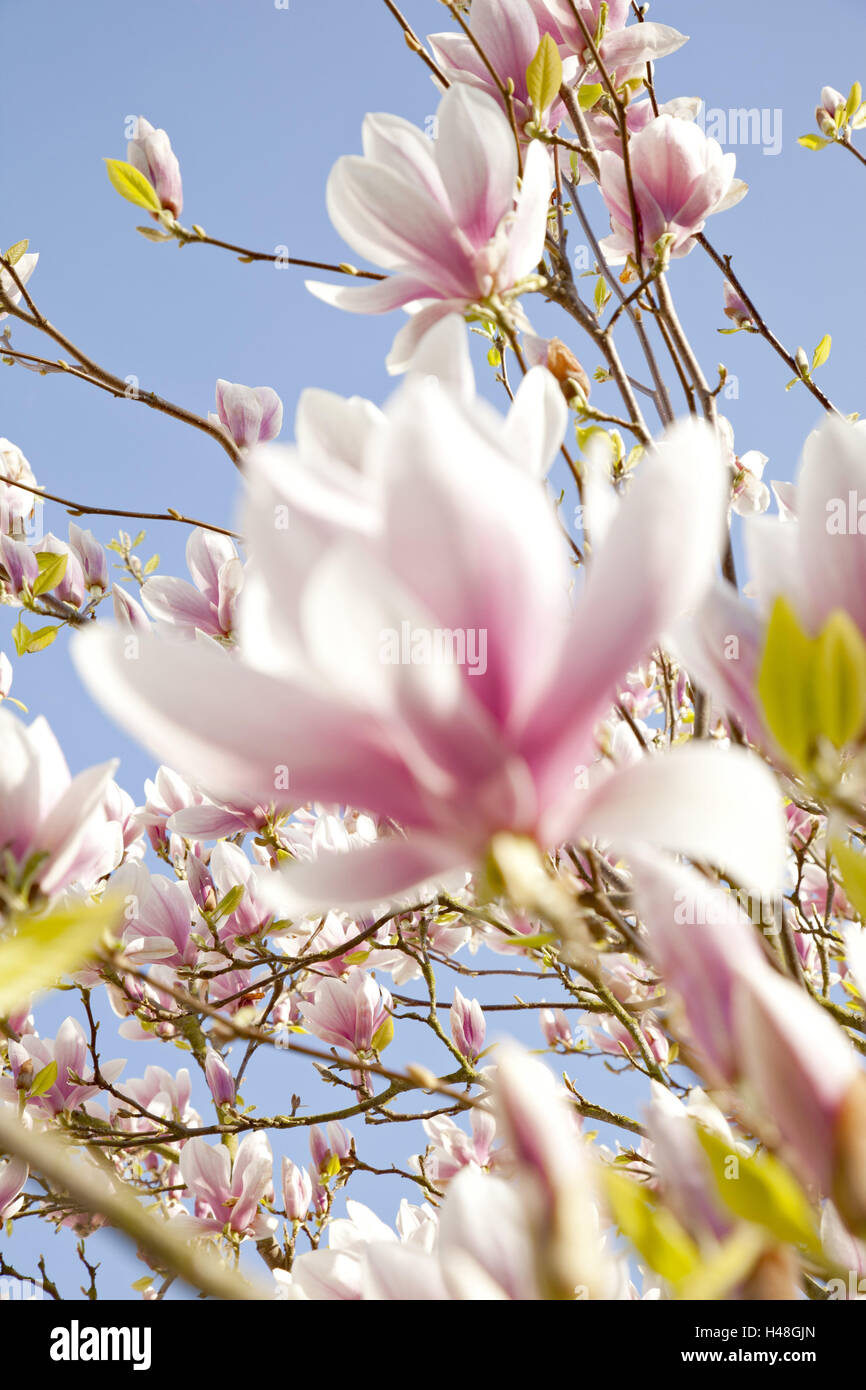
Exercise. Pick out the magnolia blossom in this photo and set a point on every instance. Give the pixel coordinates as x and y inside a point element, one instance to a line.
<point>47,814</point>
<point>754,1027</point>
<point>815,559</point>
<point>248,414</point>
<point>13,1177</point>
<point>624,49</point>
<point>451,1149</point>
<point>452,752</point>
<point>16,504</point>
<point>508,32</point>
<point>73,1085</point>
<point>228,1193</point>
<point>680,177</point>
<point>24,268</point>
<point>444,215</point>
<point>150,152</point>
<point>219,1079</point>
<point>91,557</point>
<point>349,1013</point>
<point>208,604</point>
<point>468,1027</point>
<point>297,1190</point>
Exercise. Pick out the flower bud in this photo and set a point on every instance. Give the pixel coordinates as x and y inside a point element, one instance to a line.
<point>555,1028</point>
<point>468,1027</point>
<point>91,556</point>
<point>219,1079</point>
<point>297,1190</point>
<point>735,307</point>
<point>151,154</point>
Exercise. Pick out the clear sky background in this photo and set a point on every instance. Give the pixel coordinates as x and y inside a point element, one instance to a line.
<point>259,102</point>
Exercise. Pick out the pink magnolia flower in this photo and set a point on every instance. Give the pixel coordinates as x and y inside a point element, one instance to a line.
<point>453,753</point>
<point>625,49</point>
<point>208,605</point>
<point>72,588</point>
<point>16,504</point>
<point>815,559</point>
<point>468,1027</point>
<point>91,557</point>
<point>24,268</point>
<point>349,1013</point>
<point>13,1178</point>
<point>44,812</point>
<point>150,152</point>
<point>735,307</point>
<point>508,32</point>
<point>159,917</point>
<point>227,1194</point>
<point>297,1190</point>
<point>757,1029</point>
<point>32,1055</point>
<point>452,1149</point>
<point>5,676</point>
<point>555,1028</point>
<point>444,215</point>
<point>128,612</point>
<point>219,1079</point>
<point>680,177</point>
<point>248,414</point>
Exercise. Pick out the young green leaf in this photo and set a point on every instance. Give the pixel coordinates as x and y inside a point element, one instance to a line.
<point>839,680</point>
<point>813,142</point>
<point>785,683</point>
<point>761,1190</point>
<point>52,568</point>
<point>653,1231</point>
<point>852,866</point>
<point>35,951</point>
<point>14,254</point>
<point>132,185</point>
<point>44,1079</point>
<point>544,75</point>
<point>822,351</point>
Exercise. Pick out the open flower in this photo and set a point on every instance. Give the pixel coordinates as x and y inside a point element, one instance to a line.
<point>680,176</point>
<point>227,1194</point>
<point>207,605</point>
<point>73,1085</point>
<point>349,1013</point>
<point>453,747</point>
<point>47,814</point>
<point>444,215</point>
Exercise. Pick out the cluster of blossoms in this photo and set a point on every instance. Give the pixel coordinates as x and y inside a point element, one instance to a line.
<point>415,732</point>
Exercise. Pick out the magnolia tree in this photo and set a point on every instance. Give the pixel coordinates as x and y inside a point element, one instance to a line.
<point>449,757</point>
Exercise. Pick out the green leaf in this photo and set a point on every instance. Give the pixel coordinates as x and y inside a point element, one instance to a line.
<point>14,254</point>
<point>44,1079</point>
<point>822,351</point>
<point>785,687</point>
<point>654,1231</point>
<point>839,680</point>
<point>40,639</point>
<point>232,900</point>
<point>35,951</point>
<point>588,96</point>
<point>544,75</point>
<point>852,867</point>
<point>854,99</point>
<point>52,568</point>
<point>20,636</point>
<point>132,185</point>
<point>384,1034</point>
<point>761,1190</point>
<point>601,294</point>
<point>151,565</point>
<point>813,142</point>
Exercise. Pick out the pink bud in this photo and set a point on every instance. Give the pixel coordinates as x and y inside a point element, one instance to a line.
<point>91,556</point>
<point>468,1027</point>
<point>297,1190</point>
<point>735,308</point>
<point>339,1140</point>
<point>219,1079</point>
<point>151,154</point>
<point>555,1028</point>
<point>319,1150</point>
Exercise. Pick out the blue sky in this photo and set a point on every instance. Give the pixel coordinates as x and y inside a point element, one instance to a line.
<point>259,102</point>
